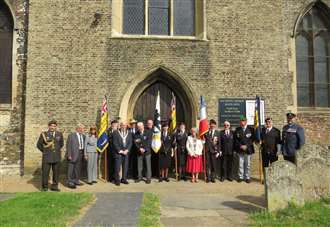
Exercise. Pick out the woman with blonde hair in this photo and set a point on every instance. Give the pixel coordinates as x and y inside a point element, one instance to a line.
<point>91,155</point>
<point>195,151</point>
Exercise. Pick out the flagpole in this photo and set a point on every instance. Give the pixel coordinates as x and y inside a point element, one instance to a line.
<point>176,164</point>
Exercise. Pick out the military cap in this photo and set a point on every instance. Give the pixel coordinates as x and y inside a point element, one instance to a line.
<point>242,118</point>
<point>51,122</point>
<point>290,115</point>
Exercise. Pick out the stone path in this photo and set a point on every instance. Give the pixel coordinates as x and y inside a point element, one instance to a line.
<point>113,209</point>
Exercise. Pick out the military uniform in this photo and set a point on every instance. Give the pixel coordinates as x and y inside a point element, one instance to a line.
<point>293,138</point>
<point>50,144</point>
<point>271,143</point>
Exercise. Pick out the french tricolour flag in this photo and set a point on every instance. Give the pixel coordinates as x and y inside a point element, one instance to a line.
<point>203,123</point>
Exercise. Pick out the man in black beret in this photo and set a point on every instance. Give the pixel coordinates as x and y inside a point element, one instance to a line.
<point>293,138</point>
<point>50,144</point>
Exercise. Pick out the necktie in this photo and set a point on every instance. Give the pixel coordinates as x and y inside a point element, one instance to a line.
<point>80,142</point>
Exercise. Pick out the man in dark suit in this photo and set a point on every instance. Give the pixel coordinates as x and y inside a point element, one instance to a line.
<point>212,153</point>
<point>244,138</point>
<point>122,144</point>
<point>111,159</point>
<point>293,138</point>
<point>180,141</point>
<point>270,143</point>
<point>142,140</point>
<point>227,150</point>
<point>133,152</point>
<point>50,144</point>
<point>75,148</point>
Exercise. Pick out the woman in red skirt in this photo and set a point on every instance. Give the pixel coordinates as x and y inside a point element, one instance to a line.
<point>195,150</point>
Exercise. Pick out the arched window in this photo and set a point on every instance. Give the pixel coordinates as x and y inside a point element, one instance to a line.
<point>162,17</point>
<point>312,53</point>
<point>6,46</point>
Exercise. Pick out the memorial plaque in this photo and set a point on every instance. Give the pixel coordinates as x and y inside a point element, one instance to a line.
<point>231,110</point>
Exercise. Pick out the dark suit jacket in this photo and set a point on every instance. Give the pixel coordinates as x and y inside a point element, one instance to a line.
<point>226,142</point>
<point>50,154</point>
<point>180,141</point>
<point>211,147</point>
<point>118,141</point>
<point>244,138</point>
<point>166,143</point>
<point>270,141</point>
<point>72,147</point>
<point>143,141</point>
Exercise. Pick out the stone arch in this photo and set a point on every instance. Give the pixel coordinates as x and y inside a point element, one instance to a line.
<point>319,5</point>
<point>172,79</point>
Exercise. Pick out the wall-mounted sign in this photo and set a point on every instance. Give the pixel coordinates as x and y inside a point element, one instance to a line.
<point>231,109</point>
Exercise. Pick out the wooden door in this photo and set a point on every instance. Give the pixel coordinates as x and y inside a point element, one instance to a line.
<point>145,106</point>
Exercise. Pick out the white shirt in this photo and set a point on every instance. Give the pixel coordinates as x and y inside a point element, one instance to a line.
<point>80,140</point>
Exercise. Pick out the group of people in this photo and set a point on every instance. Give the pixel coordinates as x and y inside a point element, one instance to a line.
<point>130,150</point>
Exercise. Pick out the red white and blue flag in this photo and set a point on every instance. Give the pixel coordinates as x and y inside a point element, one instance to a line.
<point>203,123</point>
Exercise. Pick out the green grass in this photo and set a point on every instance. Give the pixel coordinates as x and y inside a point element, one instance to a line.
<point>42,208</point>
<point>150,211</point>
<point>311,214</point>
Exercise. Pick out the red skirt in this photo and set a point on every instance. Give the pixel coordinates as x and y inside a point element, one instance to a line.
<point>194,164</point>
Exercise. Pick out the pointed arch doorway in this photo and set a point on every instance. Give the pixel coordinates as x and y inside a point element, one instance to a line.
<point>142,101</point>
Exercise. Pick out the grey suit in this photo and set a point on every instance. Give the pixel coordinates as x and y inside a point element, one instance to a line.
<point>74,153</point>
<point>92,156</point>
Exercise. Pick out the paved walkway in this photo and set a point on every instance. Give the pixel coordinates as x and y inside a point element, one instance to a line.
<point>113,209</point>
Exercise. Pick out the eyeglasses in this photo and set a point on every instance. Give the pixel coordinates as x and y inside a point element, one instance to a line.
<point>226,125</point>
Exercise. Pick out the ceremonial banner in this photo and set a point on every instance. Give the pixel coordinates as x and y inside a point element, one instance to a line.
<point>173,115</point>
<point>103,140</point>
<point>156,136</point>
<point>257,119</point>
<point>203,123</point>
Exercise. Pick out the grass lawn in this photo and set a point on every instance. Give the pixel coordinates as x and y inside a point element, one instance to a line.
<point>42,208</point>
<point>311,214</point>
<point>150,211</point>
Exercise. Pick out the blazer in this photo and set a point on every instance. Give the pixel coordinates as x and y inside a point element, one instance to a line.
<point>143,140</point>
<point>118,143</point>
<point>293,138</point>
<point>211,147</point>
<point>90,144</point>
<point>271,141</point>
<point>166,143</point>
<point>50,146</point>
<point>72,147</point>
<point>244,138</point>
<point>226,142</point>
<point>194,146</point>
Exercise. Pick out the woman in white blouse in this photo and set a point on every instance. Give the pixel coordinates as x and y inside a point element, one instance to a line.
<point>195,151</point>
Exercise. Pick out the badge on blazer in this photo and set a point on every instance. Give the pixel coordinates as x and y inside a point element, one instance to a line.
<point>144,137</point>
<point>248,135</point>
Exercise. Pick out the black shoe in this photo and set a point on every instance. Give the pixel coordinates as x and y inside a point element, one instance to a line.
<point>148,181</point>
<point>94,182</point>
<point>72,186</point>
<point>222,179</point>
<point>137,180</point>
<point>239,180</point>
<point>44,189</point>
<point>160,180</point>
<point>207,181</point>
<point>167,180</point>
<point>212,180</point>
<point>184,178</point>
<point>230,179</point>
<point>90,183</point>
<point>78,184</point>
<point>117,183</point>
<point>248,181</point>
<point>124,181</point>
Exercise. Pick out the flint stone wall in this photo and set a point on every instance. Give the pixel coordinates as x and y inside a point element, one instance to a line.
<point>309,180</point>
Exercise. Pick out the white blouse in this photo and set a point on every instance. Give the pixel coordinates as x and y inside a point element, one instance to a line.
<point>194,146</point>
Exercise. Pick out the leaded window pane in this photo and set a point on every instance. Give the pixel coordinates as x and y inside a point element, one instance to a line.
<point>303,95</point>
<point>184,17</point>
<point>134,17</point>
<point>158,13</point>
<point>322,95</point>
<point>6,42</point>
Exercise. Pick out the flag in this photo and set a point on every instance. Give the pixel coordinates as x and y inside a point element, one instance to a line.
<point>102,138</point>
<point>257,120</point>
<point>203,123</point>
<point>156,136</point>
<point>173,114</point>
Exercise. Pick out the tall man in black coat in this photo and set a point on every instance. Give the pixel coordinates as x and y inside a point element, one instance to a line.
<point>244,138</point>
<point>270,143</point>
<point>227,151</point>
<point>180,142</point>
<point>111,159</point>
<point>142,140</point>
<point>50,144</point>
<point>212,153</point>
<point>122,144</point>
